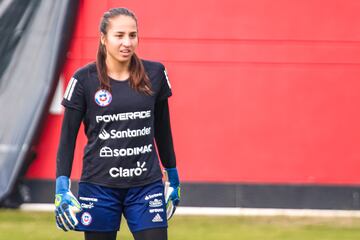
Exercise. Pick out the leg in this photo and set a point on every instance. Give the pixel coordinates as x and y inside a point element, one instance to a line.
<point>144,208</point>
<point>151,234</point>
<point>100,235</point>
<point>101,215</point>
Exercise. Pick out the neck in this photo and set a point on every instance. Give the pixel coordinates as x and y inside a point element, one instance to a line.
<point>118,70</point>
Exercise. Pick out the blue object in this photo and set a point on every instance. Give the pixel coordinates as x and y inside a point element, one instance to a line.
<point>173,177</point>
<point>143,207</point>
<point>62,184</point>
<point>66,205</point>
<point>172,192</point>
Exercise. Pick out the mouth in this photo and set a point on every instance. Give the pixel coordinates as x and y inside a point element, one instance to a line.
<point>125,52</point>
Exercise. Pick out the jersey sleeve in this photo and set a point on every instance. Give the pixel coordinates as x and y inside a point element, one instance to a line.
<point>165,86</point>
<point>163,136</point>
<point>69,130</point>
<point>74,96</point>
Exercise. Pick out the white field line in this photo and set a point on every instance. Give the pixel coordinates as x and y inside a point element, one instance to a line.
<point>41,207</point>
<point>232,211</point>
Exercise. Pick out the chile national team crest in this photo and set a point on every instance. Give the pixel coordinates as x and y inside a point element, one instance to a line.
<point>86,219</point>
<point>103,98</point>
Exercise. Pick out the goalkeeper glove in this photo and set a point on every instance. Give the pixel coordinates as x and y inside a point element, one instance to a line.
<point>172,191</point>
<point>66,205</point>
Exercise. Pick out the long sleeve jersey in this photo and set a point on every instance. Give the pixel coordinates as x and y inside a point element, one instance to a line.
<point>122,126</point>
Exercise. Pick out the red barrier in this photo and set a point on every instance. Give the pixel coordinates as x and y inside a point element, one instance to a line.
<point>264,91</point>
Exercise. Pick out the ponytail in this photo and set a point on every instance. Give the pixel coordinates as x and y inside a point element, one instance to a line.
<point>138,77</point>
<point>101,68</point>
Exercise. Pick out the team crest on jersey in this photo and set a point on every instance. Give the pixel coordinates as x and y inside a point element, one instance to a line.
<point>86,219</point>
<point>103,98</point>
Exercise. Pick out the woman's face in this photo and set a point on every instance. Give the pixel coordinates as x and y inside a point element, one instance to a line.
<point>121,39</point>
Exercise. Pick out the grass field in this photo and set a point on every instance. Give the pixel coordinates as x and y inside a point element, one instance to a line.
<point>16,225</point>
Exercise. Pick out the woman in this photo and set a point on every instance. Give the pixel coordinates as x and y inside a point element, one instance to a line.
<point>122,102</point>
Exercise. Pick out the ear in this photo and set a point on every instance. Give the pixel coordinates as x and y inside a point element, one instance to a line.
<point>102,38</point>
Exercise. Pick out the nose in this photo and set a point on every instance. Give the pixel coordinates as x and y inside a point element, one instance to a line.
<point>126,41</point>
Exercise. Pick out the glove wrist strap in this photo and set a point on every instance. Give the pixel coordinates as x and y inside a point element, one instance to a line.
<point>173,177</point>
<point>62,184</point>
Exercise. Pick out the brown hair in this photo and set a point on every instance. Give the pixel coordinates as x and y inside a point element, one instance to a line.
<point>138,78</point>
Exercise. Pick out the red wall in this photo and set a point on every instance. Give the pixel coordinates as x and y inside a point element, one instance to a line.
<point>264,91</point>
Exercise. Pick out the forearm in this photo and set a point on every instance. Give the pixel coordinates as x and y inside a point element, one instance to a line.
<point>163,135</point>
<point>69,130</point>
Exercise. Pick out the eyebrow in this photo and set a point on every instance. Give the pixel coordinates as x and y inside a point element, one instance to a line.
<point>124,32</point>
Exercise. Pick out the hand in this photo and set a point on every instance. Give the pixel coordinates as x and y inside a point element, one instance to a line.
<point>66,205</point>
<point>172,191</point>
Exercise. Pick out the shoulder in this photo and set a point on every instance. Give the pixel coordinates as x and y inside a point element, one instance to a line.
<point>152,66</point>
<point>85,72</point>
<point>158,77</point>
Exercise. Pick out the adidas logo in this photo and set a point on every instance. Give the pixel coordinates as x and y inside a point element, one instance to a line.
<point>157,218</point>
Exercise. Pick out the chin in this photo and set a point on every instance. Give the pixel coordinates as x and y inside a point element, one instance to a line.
<point>124,59</point>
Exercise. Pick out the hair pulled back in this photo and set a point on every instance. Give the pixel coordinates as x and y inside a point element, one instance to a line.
<point>138,78</point>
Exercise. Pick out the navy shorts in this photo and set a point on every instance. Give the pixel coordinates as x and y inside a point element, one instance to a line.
<point>143,207</point>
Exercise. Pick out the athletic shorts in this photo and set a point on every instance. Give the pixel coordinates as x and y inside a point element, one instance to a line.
<point>143,207</point>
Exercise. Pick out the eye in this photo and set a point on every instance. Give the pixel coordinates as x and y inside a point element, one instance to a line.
<point>133,35</point>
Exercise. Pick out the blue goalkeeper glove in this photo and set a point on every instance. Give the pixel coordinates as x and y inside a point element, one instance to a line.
<point>172,191</point>
<point>66,205</point>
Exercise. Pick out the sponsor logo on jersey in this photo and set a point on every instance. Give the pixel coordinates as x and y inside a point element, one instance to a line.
<point>156,203</point>
<point>104,135</point>
<point>106,152</point>
<point>86,219</point>
<point>88,199</point>
<point>167,78</point>
<point>128,172</point>
<point>157,218</point>
<point>156,210</point>
<point>123,152</point>
<point>123,116</point>
<point>148,197</point>
<point>103,98</point>
<point>87,205</point>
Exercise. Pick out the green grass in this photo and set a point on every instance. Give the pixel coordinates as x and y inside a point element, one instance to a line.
<point>17,225</point>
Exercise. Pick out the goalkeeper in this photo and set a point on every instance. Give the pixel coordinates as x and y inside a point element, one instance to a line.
<point>121,174</point>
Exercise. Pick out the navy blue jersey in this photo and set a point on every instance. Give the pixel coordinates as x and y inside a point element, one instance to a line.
<point>119,126</point>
